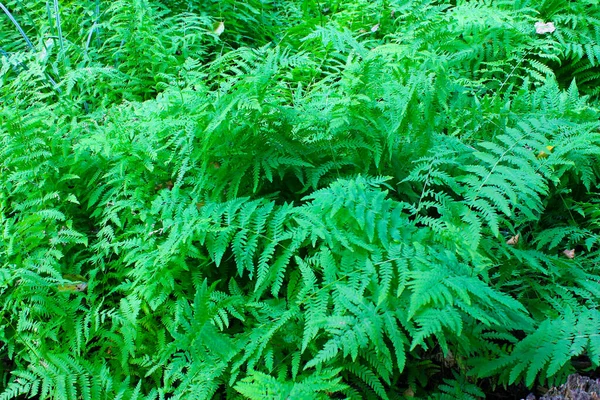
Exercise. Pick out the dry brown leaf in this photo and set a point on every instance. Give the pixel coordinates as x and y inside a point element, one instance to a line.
<point>513,240</point>
<point>570,253</point>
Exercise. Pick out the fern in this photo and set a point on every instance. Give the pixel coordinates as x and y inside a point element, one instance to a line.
<point>548,349</point>
<point>359,199</point>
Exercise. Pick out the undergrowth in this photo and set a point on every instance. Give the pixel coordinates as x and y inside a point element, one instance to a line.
<point>289,200</point>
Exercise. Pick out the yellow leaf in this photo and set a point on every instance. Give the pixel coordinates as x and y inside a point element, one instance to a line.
<point>543,153</point>
<point>73,287</point>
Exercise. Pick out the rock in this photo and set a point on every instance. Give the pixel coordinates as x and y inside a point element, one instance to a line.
<point>577,388</point>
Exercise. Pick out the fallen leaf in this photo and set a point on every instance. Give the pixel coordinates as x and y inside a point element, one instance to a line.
<point>81,287</point>
<point>513,240</point>
<point>569,253</point>
<point>218,28</point>
<point>544,153</point>
<point>541,27</point>
<point>73,287</point>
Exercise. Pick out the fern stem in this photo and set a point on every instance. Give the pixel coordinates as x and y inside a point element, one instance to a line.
<point>491,171</point>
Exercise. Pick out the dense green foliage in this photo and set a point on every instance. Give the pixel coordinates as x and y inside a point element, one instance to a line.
<point>263,199</point>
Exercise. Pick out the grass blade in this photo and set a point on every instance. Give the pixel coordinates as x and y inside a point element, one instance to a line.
<point>58,27</point>
<point>14,21</point>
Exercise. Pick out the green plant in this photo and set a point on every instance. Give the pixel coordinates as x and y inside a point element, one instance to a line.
<point>264,200</point>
